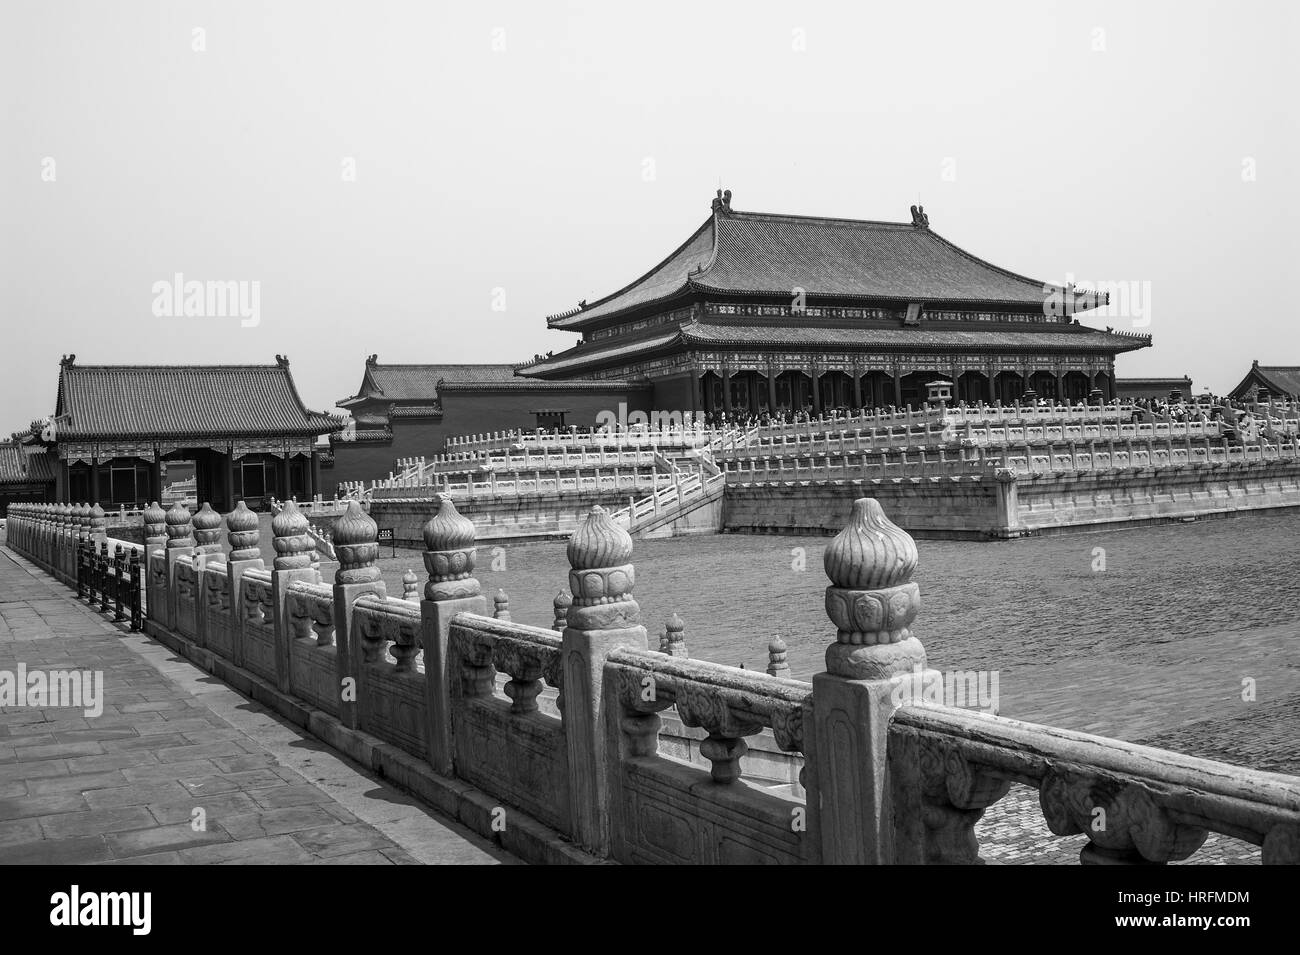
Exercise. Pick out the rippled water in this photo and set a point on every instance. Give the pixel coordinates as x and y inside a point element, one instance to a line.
<point>984,604</point>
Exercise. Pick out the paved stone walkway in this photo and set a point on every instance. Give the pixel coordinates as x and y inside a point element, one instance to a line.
<point>174,745</point>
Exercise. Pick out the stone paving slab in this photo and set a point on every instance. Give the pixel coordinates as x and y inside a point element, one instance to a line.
<point>124,787</point>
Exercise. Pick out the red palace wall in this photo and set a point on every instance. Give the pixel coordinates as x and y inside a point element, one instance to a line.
<point>470,412</point>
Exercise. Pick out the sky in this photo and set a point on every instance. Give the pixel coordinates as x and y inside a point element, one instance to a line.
<point>428,181</point>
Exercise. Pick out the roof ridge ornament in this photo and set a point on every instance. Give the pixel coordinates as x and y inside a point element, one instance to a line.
<point>722,202</point>
<point>919,219</point>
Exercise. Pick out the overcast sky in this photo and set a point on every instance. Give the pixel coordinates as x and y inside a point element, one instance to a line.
<point>529,155</point>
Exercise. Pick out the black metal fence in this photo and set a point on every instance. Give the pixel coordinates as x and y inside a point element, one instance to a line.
<point>111,582</point>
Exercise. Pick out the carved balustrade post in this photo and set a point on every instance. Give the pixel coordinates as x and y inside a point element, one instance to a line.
<point>603,616</point>
<point>501,605</point>
<point>243,535</point>
<point>673,640</point>
<point>207,533</point>
<point>180,543</point>
<point>98,524</point>
<point>356,544</point>
<point>449,559</point>
<point>293,561</point>
<point>777,664</point>
<point>561,607</point>
<point>155,544</point>
<point>207,548</point>
<point>872,602</point>
<point>67,542</point>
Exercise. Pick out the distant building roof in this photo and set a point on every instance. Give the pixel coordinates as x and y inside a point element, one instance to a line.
<point>182,401</point>
<point>1278,379</point>
<point>17,466</point>
<point>418,382</point>
<point>765,254</point>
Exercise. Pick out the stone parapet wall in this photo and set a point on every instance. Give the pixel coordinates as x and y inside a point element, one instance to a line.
<point>1053,501</point>
<point>1006,503</point>
<point>526,517</point>
<point>942,507</point>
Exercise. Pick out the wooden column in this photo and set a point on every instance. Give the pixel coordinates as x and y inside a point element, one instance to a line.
<point>309,486</point>
<point>898,388</point>
<point>228,475</point>
<point>816,389</point>
<point>771,389</point>
<point>285,492</point>
<point>857,386</point>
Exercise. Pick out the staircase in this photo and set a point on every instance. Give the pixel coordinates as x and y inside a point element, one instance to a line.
<point>697,482</point>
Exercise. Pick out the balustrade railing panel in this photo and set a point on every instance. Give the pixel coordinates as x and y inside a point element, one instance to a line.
<point>504,743</point>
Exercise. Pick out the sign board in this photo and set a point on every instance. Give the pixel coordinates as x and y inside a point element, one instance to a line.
<point>386,536</point>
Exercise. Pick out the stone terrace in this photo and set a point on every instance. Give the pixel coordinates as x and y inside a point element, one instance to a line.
<point>122,787</point>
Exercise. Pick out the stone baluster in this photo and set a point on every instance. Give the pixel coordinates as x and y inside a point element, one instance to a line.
<point>356,544</point>
<point>501,604</point>
<point>776,658</point>
<point>207,531</point>
<point>98,523</point>
<point>155,541</point>
<point>603,616</point>
<point>243,535</point>
<point>180,543</point>
<point>561,607</point>
<point>872,601</point>
<point>206,526</point>
<point>673,640</point>
<point>449,559</point>
<point>410,585</point>
<point>293,561</point>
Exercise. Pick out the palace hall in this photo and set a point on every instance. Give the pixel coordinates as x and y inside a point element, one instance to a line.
<point>244,428</point>
<point>759,311</point>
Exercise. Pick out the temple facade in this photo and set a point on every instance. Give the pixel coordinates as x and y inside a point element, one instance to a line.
<point>757,311</point>
<point>243,426</point>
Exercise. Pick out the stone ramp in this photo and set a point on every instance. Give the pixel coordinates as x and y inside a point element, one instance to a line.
<point>172,746</point>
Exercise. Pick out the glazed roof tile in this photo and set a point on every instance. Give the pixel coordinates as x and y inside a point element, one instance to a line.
<point>420,382</point>
<point>763,254</point>
<point>1058,338</point>
<point>97,401</point>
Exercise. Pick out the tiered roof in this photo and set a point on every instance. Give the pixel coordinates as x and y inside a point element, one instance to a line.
<point>182,401</point>
<point>763,255</point>
<point>695,333</point>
